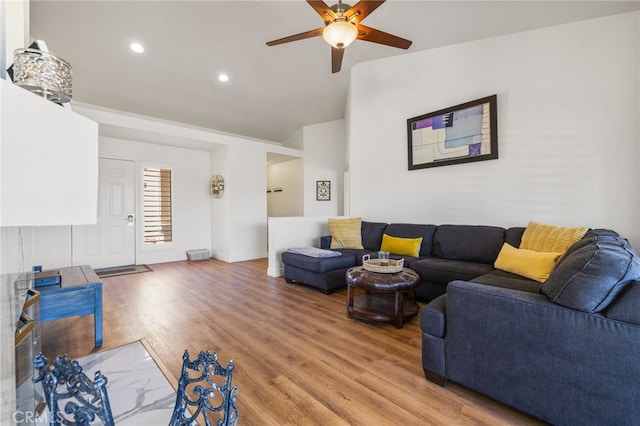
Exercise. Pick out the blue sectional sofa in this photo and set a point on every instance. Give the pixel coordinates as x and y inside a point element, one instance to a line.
<point>447,253</point>
<point>568,354</point>
<point>566,350</point>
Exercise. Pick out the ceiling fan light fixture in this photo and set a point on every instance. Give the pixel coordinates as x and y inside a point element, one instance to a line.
<point>340,33</point>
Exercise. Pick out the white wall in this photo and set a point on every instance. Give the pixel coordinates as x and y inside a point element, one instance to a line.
<point>49,170</point>
<point>248,203</point>
<point>14,30</point>
<point>239,218</point>
<point>220,207</point>
<point>52,246</point>
<point>16,250</point>
<point>191,214</point>
<point>48,246</point>
<point>568,108</point>
<point>288,176</point>
<point>324,160</point>
<point>323,145</point>
<point>233,227</point>
<point>287,232</point>
<point>191,207</point>
<point>16,255</point>
<point>237,227</point>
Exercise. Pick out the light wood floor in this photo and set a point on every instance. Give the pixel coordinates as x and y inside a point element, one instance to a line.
<point>299,359</point>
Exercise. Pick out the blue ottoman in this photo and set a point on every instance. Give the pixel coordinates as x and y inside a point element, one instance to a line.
<point>324,273</point>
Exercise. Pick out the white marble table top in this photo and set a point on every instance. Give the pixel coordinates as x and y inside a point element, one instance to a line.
<point>138,391</point>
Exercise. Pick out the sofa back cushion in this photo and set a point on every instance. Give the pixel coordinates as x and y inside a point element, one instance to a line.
<point>372,234</point>
<point>589,238</point>
<point>471,243</point>
<point>593,272</point>
<point>410,230</point>
<point>513,236</point>
<point>625,306</point>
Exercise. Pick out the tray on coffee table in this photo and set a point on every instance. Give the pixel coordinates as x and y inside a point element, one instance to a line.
<point>387,266</point>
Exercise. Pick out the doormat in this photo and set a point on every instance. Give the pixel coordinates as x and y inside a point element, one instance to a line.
<point>122,270</point>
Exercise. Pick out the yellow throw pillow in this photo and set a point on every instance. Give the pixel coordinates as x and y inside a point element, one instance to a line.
<point>536,265</point>
<point>401,246</point>
<point>346,233</point>
<point>550,238</point>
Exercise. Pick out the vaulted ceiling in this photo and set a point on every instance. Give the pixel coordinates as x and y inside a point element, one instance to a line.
<point>272,91</point>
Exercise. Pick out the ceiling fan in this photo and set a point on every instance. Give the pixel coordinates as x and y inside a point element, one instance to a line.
<point>342,26</point>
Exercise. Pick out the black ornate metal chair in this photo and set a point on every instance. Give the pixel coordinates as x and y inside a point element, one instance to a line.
<point>64,382</point>
<point>205,391</point>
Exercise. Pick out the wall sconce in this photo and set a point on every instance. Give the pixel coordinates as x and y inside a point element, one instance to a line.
<point>216,186</point>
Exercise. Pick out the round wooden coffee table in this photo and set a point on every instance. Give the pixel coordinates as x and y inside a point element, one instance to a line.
<point>382,296</point>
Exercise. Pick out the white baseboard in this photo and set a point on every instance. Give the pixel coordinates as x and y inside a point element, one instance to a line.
<point>275,272</point>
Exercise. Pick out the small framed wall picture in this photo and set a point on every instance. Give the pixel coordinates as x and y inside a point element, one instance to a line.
<point>323,190</point>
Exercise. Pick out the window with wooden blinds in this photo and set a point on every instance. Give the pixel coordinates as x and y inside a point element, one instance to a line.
<point>157,206</point>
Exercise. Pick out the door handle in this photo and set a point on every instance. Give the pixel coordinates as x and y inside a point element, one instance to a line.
<point>129,219</point>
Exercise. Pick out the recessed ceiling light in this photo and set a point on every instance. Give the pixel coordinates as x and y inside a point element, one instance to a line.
<point>137,47</point>
<point>223,77</point>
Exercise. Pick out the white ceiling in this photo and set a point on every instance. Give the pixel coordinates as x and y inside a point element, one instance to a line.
<point>273,91</point>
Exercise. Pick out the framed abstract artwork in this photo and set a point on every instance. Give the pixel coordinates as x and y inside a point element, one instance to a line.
<point>323,190</point>
<point>459,134</point>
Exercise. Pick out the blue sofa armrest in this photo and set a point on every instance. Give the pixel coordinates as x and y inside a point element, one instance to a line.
<point>325,242</point>
<point>540,357</point>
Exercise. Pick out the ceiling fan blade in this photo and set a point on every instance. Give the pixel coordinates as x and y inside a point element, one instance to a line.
<point>361,10</point>
<point>377,36</point>
<point>301,36</point>
<point>322,9</point>
<point>336,59</point>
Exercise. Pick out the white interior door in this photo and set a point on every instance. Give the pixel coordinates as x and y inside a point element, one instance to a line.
<point>111,241</point>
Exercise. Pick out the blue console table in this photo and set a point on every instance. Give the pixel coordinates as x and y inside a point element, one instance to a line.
<point>79,293</point>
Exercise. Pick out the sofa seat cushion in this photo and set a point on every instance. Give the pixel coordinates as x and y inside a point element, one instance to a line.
<point>498,278</point>
<point>318,264</point>
<point>408,260</point>
<point>433,316</point>
<point>357,254</point>
<point>591,274</point>
<point>443,271</point>
<point>479,244</point>
<point>410,230</point>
